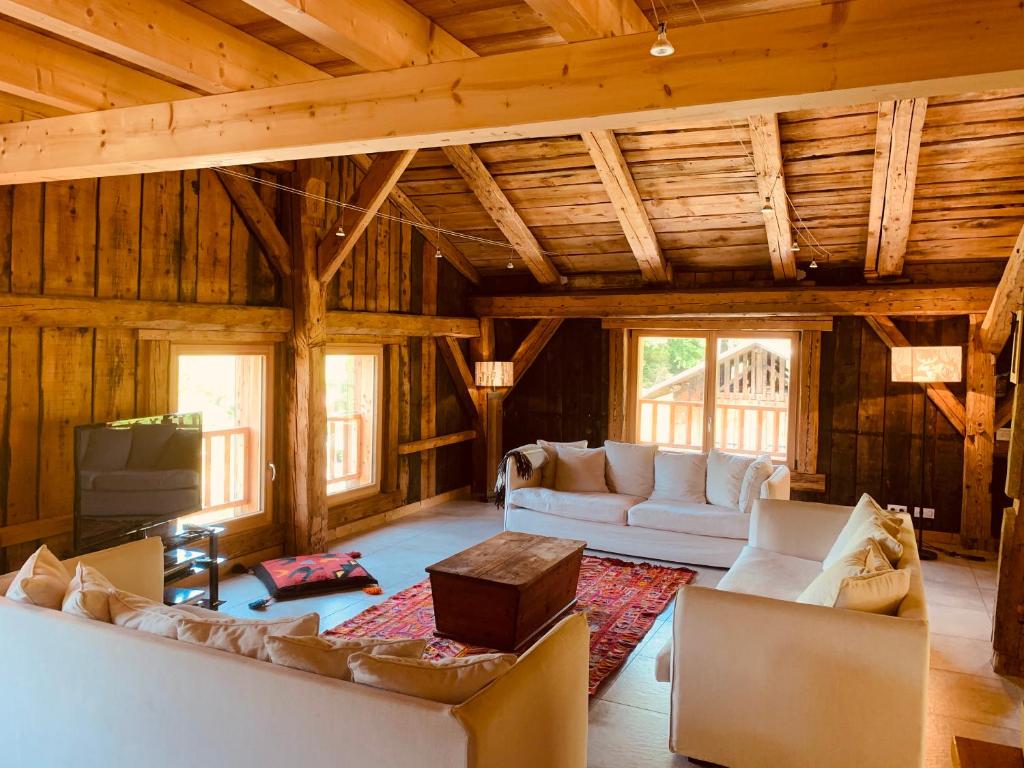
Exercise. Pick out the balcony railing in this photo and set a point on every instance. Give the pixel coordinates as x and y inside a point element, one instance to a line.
<point>344,447</point>
<point>226,463</point>
<point>747,428</point>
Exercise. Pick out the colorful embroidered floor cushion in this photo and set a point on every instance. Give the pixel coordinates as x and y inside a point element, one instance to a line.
<point>312,574</point>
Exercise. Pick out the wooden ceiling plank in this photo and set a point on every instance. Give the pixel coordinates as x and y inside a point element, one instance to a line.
<point>385,34</point>
<point>576,20</point>
<point>168,37</point>
<point>373,191</point>
<point>1009,298</point>
<point>942,46</point>
<point>429,230</point>
<point>629,206</point>
<point>938,393</point>
<point>63,77</point>
<point>506,218</point>
<point>259,220</point>
<point>766,152</point>
<point>893,182</point>
<point>724,302</point>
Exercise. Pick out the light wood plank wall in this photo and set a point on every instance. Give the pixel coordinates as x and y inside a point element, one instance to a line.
<point>177,237</point>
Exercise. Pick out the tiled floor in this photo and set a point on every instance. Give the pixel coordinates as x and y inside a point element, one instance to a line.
<point>628,720</point>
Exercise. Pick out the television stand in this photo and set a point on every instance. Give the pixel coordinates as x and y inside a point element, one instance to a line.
<point>181,560</point>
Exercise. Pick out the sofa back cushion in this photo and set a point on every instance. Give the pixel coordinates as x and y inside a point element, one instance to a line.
<point>867,521</point>
<point>750,489</point>
<point>87,595</point>
<point>245,637</point>
<point>329,656</point>
<point>42,580</point>
<point>629,468</point>
<point>449,681</point>
<point>550,466</point>
<point>861,580</point>
<point>137,612</point>
<point>725,478</point>
<point>680,476</point>
<point>580,470</point>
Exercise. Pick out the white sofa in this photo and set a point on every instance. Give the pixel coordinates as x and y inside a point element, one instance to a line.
<point>759,680</point>
<point>92,695</point>
<point>677,531</point>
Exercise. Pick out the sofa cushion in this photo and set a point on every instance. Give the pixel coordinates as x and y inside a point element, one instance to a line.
<point>449,681</point>
<point>769,574</point>
<point>87,595</point>
<point>580,470</point>
<point>328,656</point>
<point>863,580</point>
<point>680,476</point>
<point>629,468</point>
<point>687,517</point>
<point>550,465</point>
<point>245,637</point>
<point>595,507</point>
<point>42,580</point>
<point>867,520</point>
<point>725,478</point>
<point>750,489</point>
<point>137,612</point>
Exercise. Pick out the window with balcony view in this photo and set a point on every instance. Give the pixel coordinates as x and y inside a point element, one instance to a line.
<point>229,387</point>
<point>353,420</point>
<point>724,390</point>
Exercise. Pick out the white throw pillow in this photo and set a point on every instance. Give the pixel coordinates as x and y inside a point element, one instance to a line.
<point>42,580</point>
<point>867,520</point>
<point>329,656</point>
<point>88,594</point>
<point>246,637</point>
<point>629,468</point>
<point>861,580</point>
<point>580,470</point>
<point>680,476</point>
<point>550,466</point>
<point>136,612</point>
<point>725,478</point>
<point>750,489</point>
<point>449,681</point>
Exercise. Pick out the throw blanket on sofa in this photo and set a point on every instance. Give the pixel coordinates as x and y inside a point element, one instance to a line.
<point>523,466</point>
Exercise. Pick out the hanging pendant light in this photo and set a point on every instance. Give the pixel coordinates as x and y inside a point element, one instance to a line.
<point>767,207</point>
<point>661,45</point>
<point>813,264</point>
<point>795,247</point>
<point>341,227</point>
<point>510,265</point>
<point>438,254</point>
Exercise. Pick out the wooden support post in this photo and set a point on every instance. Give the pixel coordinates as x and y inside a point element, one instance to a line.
<point>389,474</point>
<point>306,404</point>
<point>617,383</point>
<point>494,414</point>
<point>428,377</point>
<point>481,349</point>
<point>807,414</point>
<point>979,440</point>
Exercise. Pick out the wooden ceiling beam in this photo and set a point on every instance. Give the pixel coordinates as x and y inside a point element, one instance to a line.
<point>766,151</point>
<point>17,109</point>
<point>168,37</point>
<point>723,302</point>
<point>629,206</point>
<point>466,391</point>
<point>427,228</point>
<point>1008,298</point>
<point>373,191</point>
<point>936,46</point>
<point>528,352</point>
<point>259,220</point>
<point>576,20</point>
<point>506,218</point>
<point>66,78</point>
<point>893,181</point>
<point>393,324</point>
<point>385,34</point>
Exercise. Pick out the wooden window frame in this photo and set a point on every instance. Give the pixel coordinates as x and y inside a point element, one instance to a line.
<point>265,515</point>
<point>374,488</point>
<point>711,337</point>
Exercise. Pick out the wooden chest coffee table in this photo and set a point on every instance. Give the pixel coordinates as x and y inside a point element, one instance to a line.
<point>504,592</point>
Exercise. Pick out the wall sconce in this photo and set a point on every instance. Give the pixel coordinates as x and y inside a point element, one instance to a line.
<point>491,374</point>
<point>926,364</point>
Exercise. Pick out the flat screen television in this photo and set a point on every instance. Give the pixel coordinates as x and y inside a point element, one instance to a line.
<point>135,474</point>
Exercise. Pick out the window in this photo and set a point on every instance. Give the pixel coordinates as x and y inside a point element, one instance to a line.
<point>229,386</point>
<point>353,420</point>
<point>742,406</point>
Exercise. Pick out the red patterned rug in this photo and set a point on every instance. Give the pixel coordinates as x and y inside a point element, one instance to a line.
<point>622,600</point>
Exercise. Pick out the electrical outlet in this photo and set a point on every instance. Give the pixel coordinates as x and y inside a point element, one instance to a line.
<point>896,507</point>
<point>917,511</point>
<point>929,513</point>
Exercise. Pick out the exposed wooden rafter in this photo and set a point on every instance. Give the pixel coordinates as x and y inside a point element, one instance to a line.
<point>385,34</point>
<point>168,37</point>
<point>429,230</point>
<point>394,324</point>
<point>629,206</point>
<point>728,73</point>
<point>506,218</point>
<point>897,145</point>
<point>889,300</point>
<point>531,347</point>
<point>576,20</point>
<point>260,221</point>
<point>1009,298</point>
<point>766,151</point>
<point>466,391</point>
<point>373,191</point>
<point>938,393</point>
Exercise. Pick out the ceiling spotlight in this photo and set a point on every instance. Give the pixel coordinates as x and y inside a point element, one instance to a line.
<point>795,247</point>
<point>341,230</point>
<point>510,265</point>
<point>438,254</point>
<point>767,207</point>
<point>813,264</point>
<point>661,45</point>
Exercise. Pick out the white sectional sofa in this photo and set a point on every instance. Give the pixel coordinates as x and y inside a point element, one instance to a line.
<point>84,693</point>
<point>660,519</point>
<point>760,680</point>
